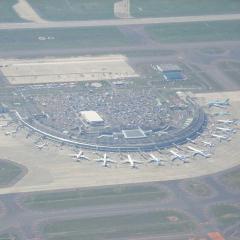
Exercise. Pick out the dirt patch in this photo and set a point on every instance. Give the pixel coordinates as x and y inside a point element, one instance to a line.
<point>25,11</point>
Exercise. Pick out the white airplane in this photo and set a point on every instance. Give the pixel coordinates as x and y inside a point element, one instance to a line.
<point>227,130</point>
<point>105,160</point>
<point>79,156</point>
<point>207,144</point>
<point>10,133</point>
<point>198,152</point>
<point>41,146</point>
<point>154,159</point>
<point>132,162</point>
<point>178,156</point>
<point>177,147</point>
<point>221,137</point>
<point>225,121</point>
<point>222,114</point>
<point>191,141</point>
<point>219,103</point>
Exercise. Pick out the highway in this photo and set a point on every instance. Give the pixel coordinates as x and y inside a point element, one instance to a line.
<point>119,22</point>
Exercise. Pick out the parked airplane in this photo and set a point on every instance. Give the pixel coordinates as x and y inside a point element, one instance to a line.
<point>207,144</point>
<point>222,114</point>
<point>177,147</point>
<point>177,156</point>
<point>221,137</point>
<point>219,103</point>
<point>132,162</point>
<point>10,133</point>
<point>191,141</point>
<point>79,156</point>
<point>158,161</point>
<point>225,121</point>
<point>41,146</point>
<point>198,152</point>
<point>105,160</point>
<point>227,130</point>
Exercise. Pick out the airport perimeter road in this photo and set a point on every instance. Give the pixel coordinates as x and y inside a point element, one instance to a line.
<point>120,22</point>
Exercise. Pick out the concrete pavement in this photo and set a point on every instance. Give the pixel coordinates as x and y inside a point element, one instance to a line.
<point>119,22</point>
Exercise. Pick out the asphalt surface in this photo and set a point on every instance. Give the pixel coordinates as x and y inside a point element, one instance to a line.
<point>14,218</point>
<point>26,223</point>
<point>119,22</point>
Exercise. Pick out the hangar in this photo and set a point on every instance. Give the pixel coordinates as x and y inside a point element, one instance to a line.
<point>172,72</point>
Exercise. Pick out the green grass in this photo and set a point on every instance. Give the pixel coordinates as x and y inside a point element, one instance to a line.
<point>59,10</point>
<point>148,53</point>
<point>8,236</point>
<point>232,179</point>
<point>5,237</point>
<point>197,188</point>
<point>195,32</point>
<point>165,8</point>
<point>7,13</point>
<point>8,172</point>
<point>230,65</point>
<point>226,215</point>
<point>96,196</point>
<point>123,226</point>
<point>212,51</point>
<point>64,38</point>
<point>232,70</point>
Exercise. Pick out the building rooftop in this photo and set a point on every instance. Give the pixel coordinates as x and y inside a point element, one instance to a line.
<point>169,67</point>
<point>91,117</point>
<point>134,133</point>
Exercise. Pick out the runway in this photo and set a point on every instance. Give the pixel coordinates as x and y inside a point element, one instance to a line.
<point>119,22</point>
<point>26,223</point>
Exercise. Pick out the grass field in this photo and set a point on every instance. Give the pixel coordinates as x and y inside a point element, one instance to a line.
<point>118,227</point>
<point>232,70</point>
<point>232,179</point>
<point>98,196</point>
<point>212,51</point>
<point>195,32</point>
<point>58,10</point>
<point>165,8</point>
<point>197,188</point>
<point>226,215</point>
<point>7,14</point>
<point>63,38</point>
<point>8,237</point>
<point>8,172</point>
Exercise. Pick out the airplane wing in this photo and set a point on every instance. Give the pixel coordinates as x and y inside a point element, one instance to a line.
<point>196,153</point>
<point>139,162</point>
<point>173,158</point>
<point>112,161</point>
<point>219,105</point>
<point>151,161</point>
<point>99,160</point>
